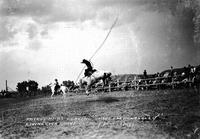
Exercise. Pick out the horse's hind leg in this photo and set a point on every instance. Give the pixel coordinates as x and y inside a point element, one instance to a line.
<point>63,93</point>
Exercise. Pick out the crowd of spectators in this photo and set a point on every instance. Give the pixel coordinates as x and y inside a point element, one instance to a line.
<point>188,72</point>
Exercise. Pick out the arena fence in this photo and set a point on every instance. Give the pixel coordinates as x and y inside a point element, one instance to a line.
<point>147,84</point>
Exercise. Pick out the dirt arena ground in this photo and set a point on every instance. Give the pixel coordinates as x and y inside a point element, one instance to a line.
<point>131,114</point>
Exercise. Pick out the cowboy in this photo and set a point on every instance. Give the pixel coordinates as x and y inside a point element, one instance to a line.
<point>89,69</point>
<point>57,86</point>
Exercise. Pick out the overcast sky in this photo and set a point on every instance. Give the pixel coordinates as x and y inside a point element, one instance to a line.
<point>47,39</point>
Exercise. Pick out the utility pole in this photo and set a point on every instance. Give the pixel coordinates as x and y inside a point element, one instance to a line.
<point>6,86</point>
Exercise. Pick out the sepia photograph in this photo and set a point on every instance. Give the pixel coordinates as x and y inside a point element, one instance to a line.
<point>100,69</point>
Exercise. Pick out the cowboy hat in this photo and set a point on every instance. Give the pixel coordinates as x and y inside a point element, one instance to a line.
<point>83,61</point>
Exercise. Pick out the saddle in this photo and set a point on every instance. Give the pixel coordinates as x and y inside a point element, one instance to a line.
<point>57,87</point>
<point>89,73</point>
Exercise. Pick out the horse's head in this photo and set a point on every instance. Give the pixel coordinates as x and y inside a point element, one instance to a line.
<point>106,77</point>
<point>52,86</point>
<point>108,74</point>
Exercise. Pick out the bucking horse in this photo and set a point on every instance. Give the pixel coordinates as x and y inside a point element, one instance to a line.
<point>93,79</point>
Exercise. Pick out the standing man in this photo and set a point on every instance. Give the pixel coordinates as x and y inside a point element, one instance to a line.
<point>188,69</point>
<point>192,73</point>
<point>172,71</point>
<point>145,74</point>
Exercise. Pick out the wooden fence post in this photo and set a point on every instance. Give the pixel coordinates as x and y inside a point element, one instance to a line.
<point>109,87</point>
<point>172,82</point>
<point>118,84</point>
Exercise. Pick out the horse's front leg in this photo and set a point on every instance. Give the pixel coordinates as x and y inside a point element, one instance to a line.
<point>52,94</point>
<point>104,83</point>
<point>87,89</point>
<point>64,91</point>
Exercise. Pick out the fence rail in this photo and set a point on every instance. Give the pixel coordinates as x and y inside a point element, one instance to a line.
<point>143,84</point>
<point>134,84</point>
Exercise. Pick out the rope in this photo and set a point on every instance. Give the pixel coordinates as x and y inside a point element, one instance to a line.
<point>99,46</point>
<point>105,38</point>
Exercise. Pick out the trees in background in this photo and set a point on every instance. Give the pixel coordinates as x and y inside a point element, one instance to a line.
<point>27,88</point>
<point>30,88</point>
<point>46,90</point>
<point>22,86</point>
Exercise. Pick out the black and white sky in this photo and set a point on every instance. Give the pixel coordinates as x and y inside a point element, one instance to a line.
<point>47,39</point>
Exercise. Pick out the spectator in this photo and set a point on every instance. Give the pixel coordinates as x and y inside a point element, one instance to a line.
<point>172,71</point>
<point>192,73</point>
<point>187,73</point>
<point>157,74</point>
<point>145,74</point>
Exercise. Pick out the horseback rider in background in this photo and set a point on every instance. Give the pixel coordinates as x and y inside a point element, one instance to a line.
<point>89,71</point>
